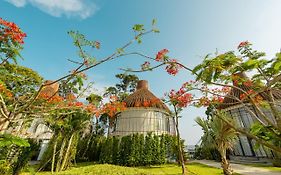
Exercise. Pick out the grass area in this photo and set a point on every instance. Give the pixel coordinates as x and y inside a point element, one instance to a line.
<point>106,169</point>
<point>269,167</point>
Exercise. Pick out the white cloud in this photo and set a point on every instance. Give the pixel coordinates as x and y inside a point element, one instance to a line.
<point>17,3</point>
<point>58,8</point>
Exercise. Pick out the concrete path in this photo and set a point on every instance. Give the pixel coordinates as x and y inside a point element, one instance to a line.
<point>241,169</point>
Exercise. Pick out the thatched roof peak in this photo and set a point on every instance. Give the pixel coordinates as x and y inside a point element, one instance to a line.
<point>235,93</point>
<point>142,97</point>
<point>50,88</point>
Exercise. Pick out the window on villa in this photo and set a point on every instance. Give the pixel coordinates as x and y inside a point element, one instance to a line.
<point>246,117</point>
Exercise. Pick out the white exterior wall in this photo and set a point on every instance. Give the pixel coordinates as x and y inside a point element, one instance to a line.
<point>39,130</point>
<point>245,146</point>
<point>142,121</point>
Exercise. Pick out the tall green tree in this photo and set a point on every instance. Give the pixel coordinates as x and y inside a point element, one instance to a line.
<point>219,135</point>
<point>127,84</point>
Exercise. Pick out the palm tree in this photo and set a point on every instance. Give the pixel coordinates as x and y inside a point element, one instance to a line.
<point>218,135</point>
<point>66,129</point>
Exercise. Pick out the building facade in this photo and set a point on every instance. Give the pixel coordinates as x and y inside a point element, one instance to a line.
<point>246,147</point>
<point>145,113</point>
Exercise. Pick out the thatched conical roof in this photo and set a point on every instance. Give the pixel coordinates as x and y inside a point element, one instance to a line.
<point>230,100</point>
<point>142,97</point>
<point>50,90</point>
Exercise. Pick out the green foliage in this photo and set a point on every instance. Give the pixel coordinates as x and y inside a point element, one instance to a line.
<point>20,80</point>
<point>7,140</point>
<point>79,40</point>
<point>94,99</point>
<point>115,150</point>
<point>25,156</point>
<point>217,134</point>
<point>206,153</point>
<point>67,129</point>
<point>106,151</point>
<point>23,149</point>
<point>271,135</point>
<point>127,83</point>
<point>138,28</point>
<point>107,169</point>
<point>264,133</point>
<point>131,150</point>
<point>5,167</point>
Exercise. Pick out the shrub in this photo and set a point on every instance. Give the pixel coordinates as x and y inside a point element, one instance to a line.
<point>5,167</point>
<point>131,150</point>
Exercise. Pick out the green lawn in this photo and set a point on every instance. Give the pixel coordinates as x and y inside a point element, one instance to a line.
<point>106,169</point>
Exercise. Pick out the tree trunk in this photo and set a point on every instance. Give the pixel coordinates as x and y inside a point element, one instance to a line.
<point>54,156</point>
<point>97,126</point>
<point>181,159</point>
<point>4,125</point>
<point>225,164</point>
<point>60,155</point>
<point>66,156</point>
<point>87,147</point>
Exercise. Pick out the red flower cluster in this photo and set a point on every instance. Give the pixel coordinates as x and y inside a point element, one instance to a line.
<point>173,68</point>
<point>9,30</point>
<point>248,83</point>
<point>161,55</point>
<point>220,91</point>
<point>217,99</point>
<point>204,101</point>
<point>69,102</point>
<point>91,108</point>
<point>181,98</point>
<point>112,108</point>
<point>243,44</point>
<point>243,96</point>
<point>51,98</point>
<point>5,91</point>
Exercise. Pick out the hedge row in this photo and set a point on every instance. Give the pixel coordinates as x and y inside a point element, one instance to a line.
<point>131,150</point>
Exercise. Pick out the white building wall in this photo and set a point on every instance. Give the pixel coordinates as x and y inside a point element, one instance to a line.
<point>142,121</point>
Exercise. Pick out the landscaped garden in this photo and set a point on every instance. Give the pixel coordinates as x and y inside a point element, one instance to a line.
<point>63,126</point>
<point>101,169</point>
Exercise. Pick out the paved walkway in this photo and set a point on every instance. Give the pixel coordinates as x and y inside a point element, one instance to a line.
<point>241,169</point>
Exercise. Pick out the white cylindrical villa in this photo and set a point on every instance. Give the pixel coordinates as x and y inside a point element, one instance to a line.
<point>145,113</point>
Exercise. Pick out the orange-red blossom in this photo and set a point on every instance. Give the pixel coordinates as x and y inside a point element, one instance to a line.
<point>9,30</point>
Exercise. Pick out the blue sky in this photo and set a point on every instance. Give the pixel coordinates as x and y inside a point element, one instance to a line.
<point>190,29</point>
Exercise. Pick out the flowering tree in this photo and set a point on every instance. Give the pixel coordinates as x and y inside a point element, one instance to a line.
<point>178,100</point>
<point>14,105</point>
<point>25,96</point>
<point>217,75</point>
<point>222,72</point>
